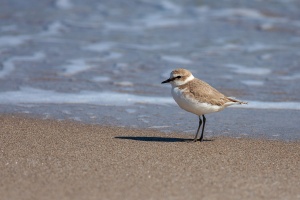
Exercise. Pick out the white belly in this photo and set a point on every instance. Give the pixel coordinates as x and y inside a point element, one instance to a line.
<point>192,105</point>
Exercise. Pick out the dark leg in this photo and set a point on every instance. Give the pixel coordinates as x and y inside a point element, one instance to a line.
<point>200,122</point>
<point>204,120</point>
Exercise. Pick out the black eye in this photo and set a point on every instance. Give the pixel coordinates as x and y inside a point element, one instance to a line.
<point>178,76</point>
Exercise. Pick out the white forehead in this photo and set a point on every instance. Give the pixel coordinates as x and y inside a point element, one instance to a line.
<point>172,74</point>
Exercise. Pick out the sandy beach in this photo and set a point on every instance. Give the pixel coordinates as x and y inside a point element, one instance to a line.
<point>47,159</point>
<point>83,113</point>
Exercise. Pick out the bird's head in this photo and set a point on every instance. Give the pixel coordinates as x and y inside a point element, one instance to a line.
<point>179,77</point>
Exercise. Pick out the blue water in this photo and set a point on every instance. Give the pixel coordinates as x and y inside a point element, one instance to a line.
<point>102,62</point>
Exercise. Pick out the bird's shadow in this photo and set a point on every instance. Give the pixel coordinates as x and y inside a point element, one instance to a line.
<point>157,139</point>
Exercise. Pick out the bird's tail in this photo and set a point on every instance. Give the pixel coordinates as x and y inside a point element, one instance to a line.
<point>236,101</point>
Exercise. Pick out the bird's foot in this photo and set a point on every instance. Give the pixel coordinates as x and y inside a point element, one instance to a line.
<point>192,141</point>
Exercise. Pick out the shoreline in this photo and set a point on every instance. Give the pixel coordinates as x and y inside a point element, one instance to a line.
<point>50,159</point>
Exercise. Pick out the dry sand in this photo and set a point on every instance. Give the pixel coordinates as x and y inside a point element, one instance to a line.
<point>46,159</point>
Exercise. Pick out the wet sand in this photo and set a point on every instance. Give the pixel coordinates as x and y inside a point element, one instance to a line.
<point>47,159</point>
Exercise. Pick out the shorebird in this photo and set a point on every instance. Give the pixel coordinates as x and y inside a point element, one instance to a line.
<point>197,96</point>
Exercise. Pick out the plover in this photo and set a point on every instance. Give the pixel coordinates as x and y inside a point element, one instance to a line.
<point>197,96</point>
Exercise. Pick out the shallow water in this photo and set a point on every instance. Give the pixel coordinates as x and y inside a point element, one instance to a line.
<point>103,62</point>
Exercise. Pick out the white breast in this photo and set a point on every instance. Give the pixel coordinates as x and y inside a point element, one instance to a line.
<point>193,105</point>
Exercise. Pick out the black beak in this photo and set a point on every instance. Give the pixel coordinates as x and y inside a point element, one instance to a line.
<point>166,81</point>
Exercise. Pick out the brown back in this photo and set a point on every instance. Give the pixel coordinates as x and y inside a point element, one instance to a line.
<point>203,92</point>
